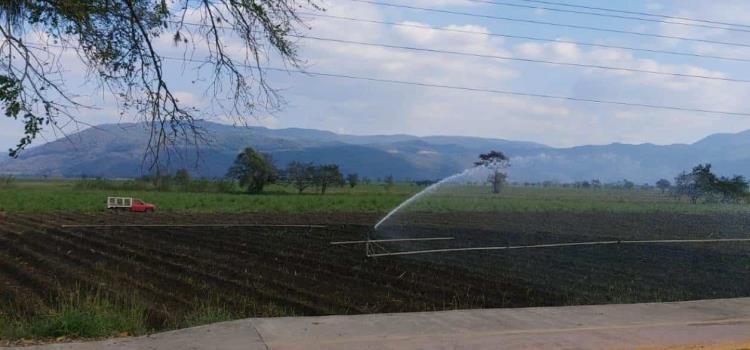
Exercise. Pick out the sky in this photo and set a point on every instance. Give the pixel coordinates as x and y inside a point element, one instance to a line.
<point>366,107</point>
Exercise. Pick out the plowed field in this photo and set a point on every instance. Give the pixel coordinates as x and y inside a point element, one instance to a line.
<point>274,271</point>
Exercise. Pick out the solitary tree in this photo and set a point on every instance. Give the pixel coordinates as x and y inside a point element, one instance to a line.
<point>300,175</point>
<point>253,170</point>
<point>120,42</point>
<point>496,162</point>
<point>328,175</point>
<point>352,179</point>
<point>663,185</point>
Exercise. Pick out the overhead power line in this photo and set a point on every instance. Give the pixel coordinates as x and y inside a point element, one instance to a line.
<point>507,58</point>
<point>521,59</point>
<point>489,91</point>
<point>525,37</point>
<point>589,13</point>
<point>461,88</point>
<point>554,24</point>
<point>636,13</point>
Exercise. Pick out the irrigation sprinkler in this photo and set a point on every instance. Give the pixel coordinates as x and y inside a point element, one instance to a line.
<point>557,245</point>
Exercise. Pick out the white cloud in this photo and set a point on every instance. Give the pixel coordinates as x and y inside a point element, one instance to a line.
<point>370,107</point>
<point>434,111</point>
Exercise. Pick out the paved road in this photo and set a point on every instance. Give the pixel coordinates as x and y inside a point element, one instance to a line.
<point>711,324</point>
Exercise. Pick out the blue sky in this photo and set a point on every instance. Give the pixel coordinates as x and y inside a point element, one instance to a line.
<point>358,107</point>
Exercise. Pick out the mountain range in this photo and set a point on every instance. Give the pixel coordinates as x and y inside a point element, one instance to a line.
<point>116,151</point>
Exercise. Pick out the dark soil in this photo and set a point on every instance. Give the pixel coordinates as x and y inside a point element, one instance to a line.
<point>275,271</point>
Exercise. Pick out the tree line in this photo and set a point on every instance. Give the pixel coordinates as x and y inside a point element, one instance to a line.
<point>698,184</point>
<point>701,184</point>
<point>254,170</point>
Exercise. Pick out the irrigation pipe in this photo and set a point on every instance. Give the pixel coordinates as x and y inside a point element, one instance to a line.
<point>192,225</point>
<point>554,245</point>
<point>394,240</point>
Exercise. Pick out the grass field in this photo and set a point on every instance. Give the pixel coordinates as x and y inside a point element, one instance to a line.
<point>55,196</point>
<point>523,199</point>
<point>38,196</point>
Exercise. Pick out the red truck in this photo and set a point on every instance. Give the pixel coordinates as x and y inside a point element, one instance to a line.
<point>130,204</point>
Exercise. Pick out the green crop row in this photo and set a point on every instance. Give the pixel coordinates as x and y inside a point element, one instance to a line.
<point>32,197</point>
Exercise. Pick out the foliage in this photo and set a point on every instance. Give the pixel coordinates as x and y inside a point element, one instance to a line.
<point>495,161</point>
<point>79,316</point>
<point>253,170</point>
<point>207,314</point>
<point>352,179</point>
<point>300,175</point>
<point>627,184</point>
<point>225,186</point>
<point>685,185</point>
<point>118,40</point>
<point>328,175</point>
<point>701,182</point>
<point>663,184</point>
<point>731,189</point>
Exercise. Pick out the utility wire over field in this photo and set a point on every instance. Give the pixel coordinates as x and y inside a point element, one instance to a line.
<point>554,24</point>
<point>522,59</point>
<point>467,88</point>
<point>526,37</point>
<point>588,13</point>
<point>508,58</point>
<point>605,9</point>
<point>503,92</point>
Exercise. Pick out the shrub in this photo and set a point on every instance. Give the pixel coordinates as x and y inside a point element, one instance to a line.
<point>201,185</point>
<point>225,186</point>
<point>79,316</point>
<point>206,314</point>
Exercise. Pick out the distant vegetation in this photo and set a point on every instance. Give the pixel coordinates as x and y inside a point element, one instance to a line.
<point>253,170</point>
<point>496,162</point>
<point>374,197</point>
<point>278,190</point>
<point>7,181</point>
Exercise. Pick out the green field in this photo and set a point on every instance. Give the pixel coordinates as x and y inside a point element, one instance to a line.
<point>53,196</point>
<point>480,199</point>
<point>70,196</point>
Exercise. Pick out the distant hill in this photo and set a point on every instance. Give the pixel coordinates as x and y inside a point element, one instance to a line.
<point>117,151</point>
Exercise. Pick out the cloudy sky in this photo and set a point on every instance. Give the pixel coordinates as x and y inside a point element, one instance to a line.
<point>366,107</point>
